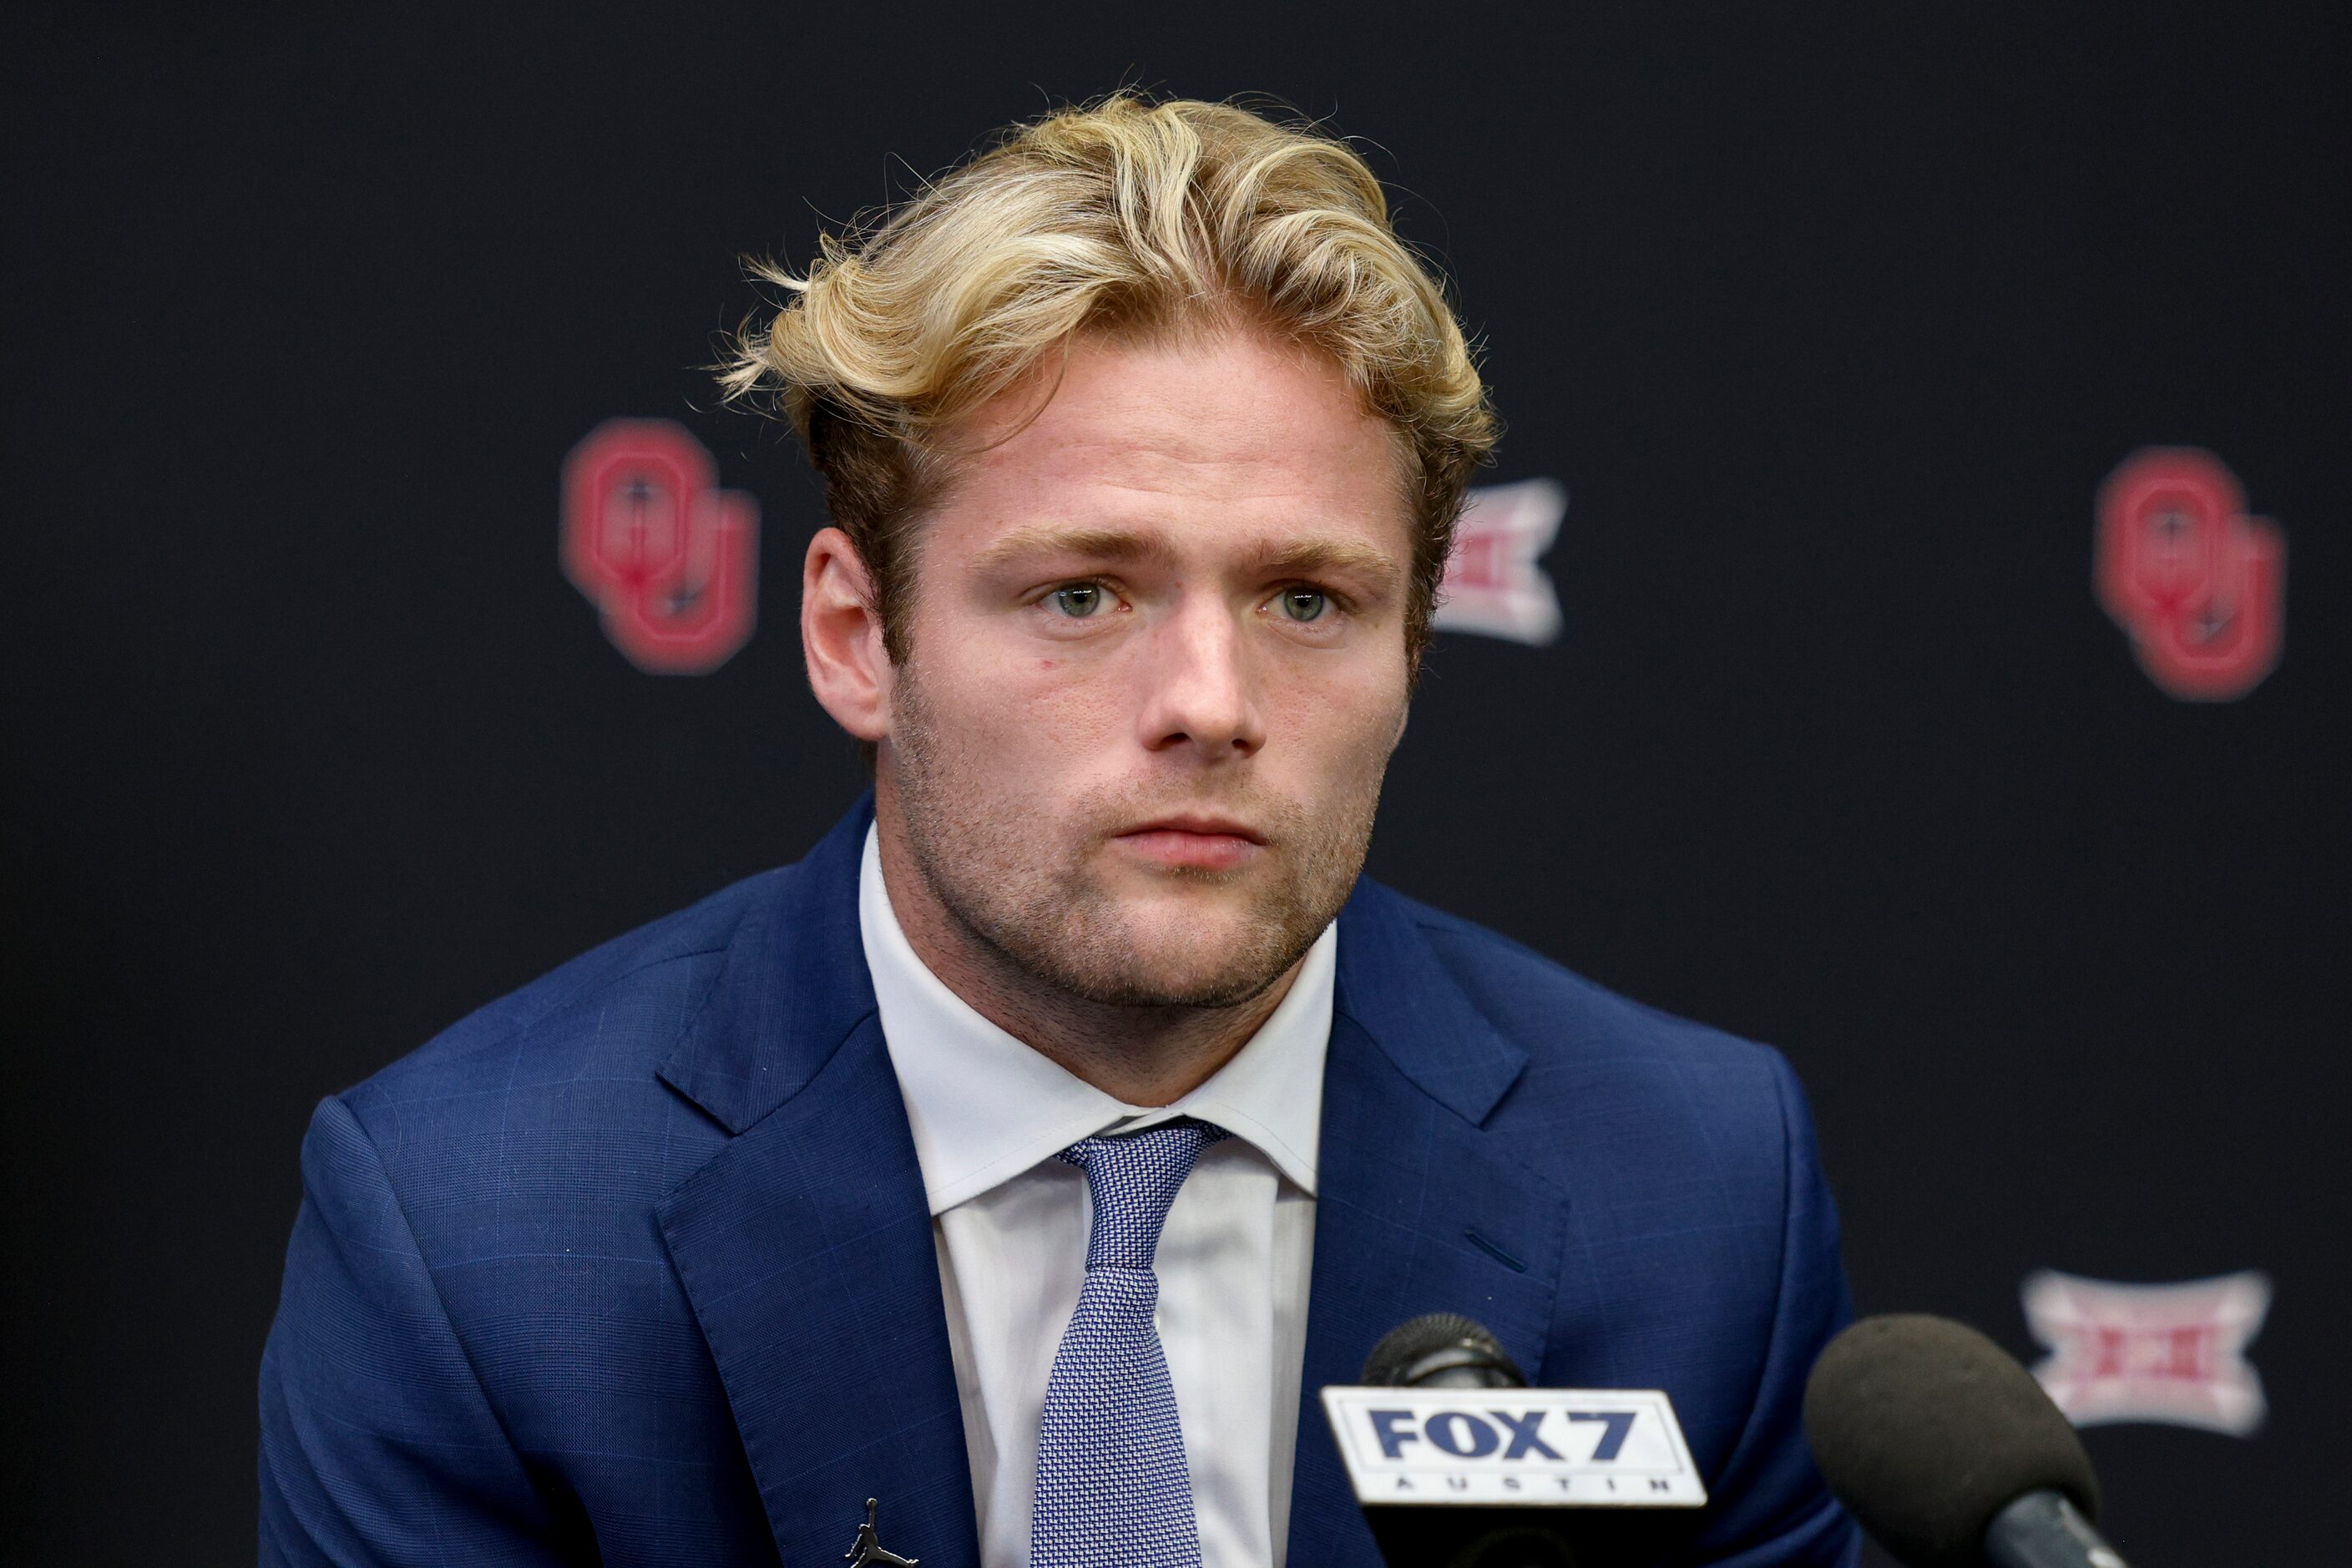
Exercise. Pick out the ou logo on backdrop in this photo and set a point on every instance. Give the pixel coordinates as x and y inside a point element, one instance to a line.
<point>2198,585</point>
<point>669,560</point>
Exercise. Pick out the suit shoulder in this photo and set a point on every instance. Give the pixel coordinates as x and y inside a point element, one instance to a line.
<point>1662,1126</point>
<point>1557,1014</point>
<point>614,1010</point>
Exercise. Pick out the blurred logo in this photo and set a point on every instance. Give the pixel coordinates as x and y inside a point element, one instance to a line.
<point>2197,584</point>
<point>2171,1353</point>
<point>1493,586</point>
<point>669,560</point>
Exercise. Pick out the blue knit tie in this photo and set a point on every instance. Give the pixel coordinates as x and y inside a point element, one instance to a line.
<point>1113,1490</point>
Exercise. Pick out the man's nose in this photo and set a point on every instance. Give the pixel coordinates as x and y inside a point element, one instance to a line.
<point>1200,686</point>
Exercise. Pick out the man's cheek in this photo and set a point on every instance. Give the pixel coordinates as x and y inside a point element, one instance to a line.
<point>990,709</point>
<point>1350,724</point>
<point>1066,719</point>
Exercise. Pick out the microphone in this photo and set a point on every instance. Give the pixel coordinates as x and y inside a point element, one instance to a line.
<point>1457,1463</point>
<point>1442,1350</point>
<point>1949,1452</point>
<point>1447,1350</point>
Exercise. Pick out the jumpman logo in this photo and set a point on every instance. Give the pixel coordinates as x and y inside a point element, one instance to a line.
<point>866,1551</point>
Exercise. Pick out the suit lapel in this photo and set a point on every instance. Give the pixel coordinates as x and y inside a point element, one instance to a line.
<point>1418,1210</point>
<point>804,1245</point>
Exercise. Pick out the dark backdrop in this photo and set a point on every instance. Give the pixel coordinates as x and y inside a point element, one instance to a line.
<point>1832,320</point>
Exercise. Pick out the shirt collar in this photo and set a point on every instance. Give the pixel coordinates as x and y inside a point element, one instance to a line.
<point>984,1107</point>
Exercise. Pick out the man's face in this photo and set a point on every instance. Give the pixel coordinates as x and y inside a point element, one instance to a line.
<point>1156,669</point>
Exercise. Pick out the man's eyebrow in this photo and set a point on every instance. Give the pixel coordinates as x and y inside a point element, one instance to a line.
<point>1092,543</point>
<point>1279,557</point>
<point>1312,557</point>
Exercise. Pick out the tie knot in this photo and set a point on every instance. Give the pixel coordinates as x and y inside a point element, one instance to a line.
<point>1134,1180</point>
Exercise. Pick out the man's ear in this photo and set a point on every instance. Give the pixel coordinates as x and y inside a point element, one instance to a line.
<point>841,636</point>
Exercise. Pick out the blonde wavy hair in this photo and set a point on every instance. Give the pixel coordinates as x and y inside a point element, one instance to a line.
<point>1130,218</point>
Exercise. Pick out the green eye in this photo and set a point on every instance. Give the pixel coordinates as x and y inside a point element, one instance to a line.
<point>1304,604</point>
<point>1079,602</point>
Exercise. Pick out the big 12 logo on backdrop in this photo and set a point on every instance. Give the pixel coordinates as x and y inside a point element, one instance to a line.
<point>1494,584</point>
<point>2198,585</point>
<point>669,560</point>
<point>2174,1353</point>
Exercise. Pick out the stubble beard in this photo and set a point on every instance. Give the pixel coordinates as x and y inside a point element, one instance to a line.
<point>1033,893</point>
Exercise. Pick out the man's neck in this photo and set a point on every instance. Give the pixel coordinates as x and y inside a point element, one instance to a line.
<point>1141,1055</point>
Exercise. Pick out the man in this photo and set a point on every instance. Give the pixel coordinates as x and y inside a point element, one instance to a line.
<point>1026,1156</point>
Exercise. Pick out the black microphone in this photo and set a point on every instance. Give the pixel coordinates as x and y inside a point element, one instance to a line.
<point>1444,1350</point>
<point>1949,1452</point>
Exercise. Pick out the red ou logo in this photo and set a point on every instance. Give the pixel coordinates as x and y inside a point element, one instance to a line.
<point>669,560</point>
<point>2198,585</point>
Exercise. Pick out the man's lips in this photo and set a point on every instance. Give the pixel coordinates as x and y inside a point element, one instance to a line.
<point>1203,843</point>
<point>1202,825</point>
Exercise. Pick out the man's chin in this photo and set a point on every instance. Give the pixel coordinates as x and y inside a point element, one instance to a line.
<point>1144,986</point>
<point>1197,961</point>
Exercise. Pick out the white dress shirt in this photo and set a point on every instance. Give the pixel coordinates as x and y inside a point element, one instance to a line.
<point>1009,1222</point>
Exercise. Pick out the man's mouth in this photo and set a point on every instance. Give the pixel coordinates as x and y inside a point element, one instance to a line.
<point>1194,842</point>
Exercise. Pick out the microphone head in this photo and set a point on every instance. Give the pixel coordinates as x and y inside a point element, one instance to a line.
<point>1926,1429</point>
<point>1442,1350</point>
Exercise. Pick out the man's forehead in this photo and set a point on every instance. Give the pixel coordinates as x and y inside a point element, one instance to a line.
<point>1248,433</point>
<point>1194,401</point>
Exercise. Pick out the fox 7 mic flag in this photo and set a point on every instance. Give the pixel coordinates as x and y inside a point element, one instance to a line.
<point>1534,1447</point>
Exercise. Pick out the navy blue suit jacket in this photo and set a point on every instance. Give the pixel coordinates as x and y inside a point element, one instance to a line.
<point>634,1266</point>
